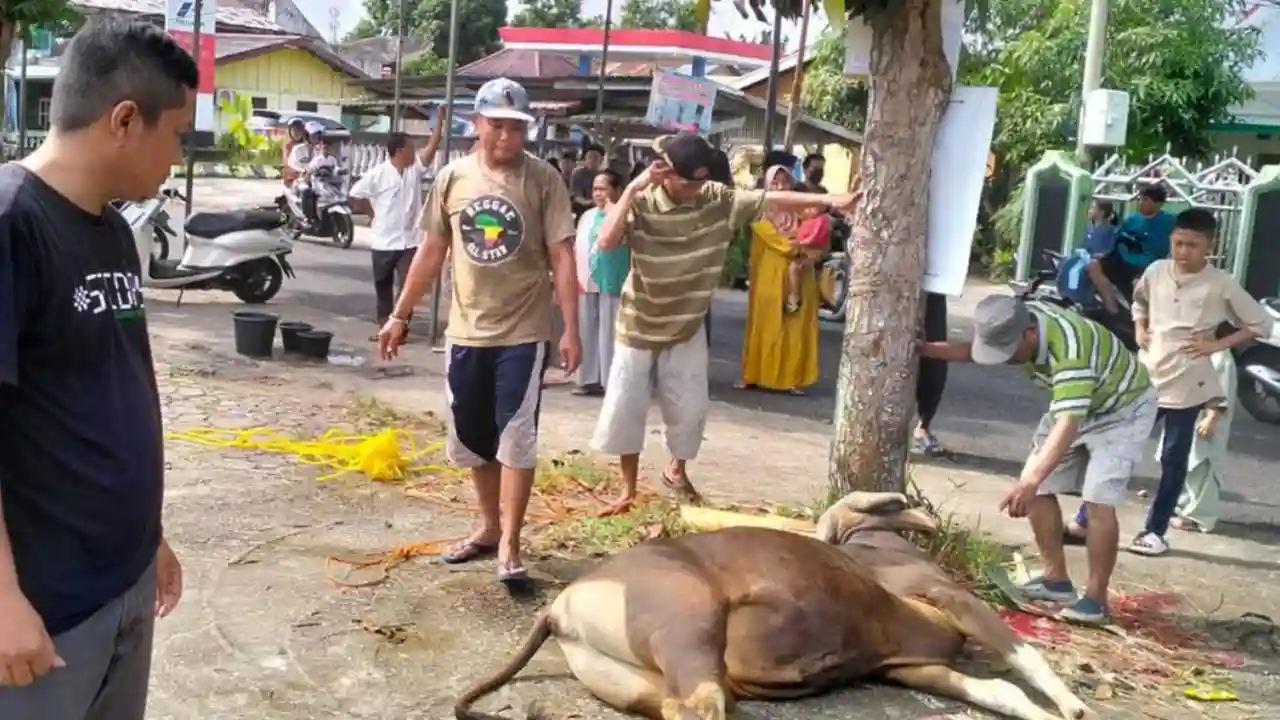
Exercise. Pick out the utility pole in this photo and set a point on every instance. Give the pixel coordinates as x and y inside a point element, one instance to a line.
<point>771,106</point>
<point>446,141</point>
<point>797,82</point>
<point>1094,54</point>
<point>22,95</point>
<point>395,111</point>
<point>604,72</point>
<point>191,143</point>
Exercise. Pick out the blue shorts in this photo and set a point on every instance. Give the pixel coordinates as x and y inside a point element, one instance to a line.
<point>494,395</point>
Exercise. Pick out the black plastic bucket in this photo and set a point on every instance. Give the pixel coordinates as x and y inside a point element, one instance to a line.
<point>255,333</point>
<point>289,334</point>
<point>314,344</point>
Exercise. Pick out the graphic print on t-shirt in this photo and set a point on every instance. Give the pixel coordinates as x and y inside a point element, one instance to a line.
<point>492,230</point>
<point>119,292</point>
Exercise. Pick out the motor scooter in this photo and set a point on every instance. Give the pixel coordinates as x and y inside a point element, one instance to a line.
<point>1258,371</point>
<point>241,251</point>
<point>833,273</point>
<point>1043,287</point>
<point>332,211</point>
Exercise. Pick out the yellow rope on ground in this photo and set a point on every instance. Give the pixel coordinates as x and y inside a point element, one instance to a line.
<point>389,456</point>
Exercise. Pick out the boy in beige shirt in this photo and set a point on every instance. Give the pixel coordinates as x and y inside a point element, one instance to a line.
<point>1178,305</point>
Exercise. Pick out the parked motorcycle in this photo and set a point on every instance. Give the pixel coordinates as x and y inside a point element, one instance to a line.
<point>332,210</point>
<point>162,234</point>
<point>241,251</point>
<point>1258,372</point>
<point>833,273</point>
<point>1043,287</point>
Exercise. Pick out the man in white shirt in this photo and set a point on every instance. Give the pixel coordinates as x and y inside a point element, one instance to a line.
<point>391,195</point>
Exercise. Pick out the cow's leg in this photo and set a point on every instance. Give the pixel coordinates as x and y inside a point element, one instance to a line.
<point>652,648</point>
<point>993,694</point>
<point>626,687</point>
<point>974,619</point>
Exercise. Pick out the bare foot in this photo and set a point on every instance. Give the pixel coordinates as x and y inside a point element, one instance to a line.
<point>621,506</point>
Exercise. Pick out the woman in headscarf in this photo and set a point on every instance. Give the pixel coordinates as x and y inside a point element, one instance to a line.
<point>779,349</point>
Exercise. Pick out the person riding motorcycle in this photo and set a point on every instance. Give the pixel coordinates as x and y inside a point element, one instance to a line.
<point>307,159</point>
<point>295,134</point>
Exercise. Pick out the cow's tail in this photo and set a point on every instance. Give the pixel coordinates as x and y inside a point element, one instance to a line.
<point>538,635</point>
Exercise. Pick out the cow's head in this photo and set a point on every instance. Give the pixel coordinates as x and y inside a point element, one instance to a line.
<point>867,511</point>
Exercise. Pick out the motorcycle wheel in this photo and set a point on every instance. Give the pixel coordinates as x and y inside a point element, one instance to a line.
<point>833,287</point>
<point>259,281</point>
<point>160,246</point>
<point>342,231</point>
<point>1251,393</point>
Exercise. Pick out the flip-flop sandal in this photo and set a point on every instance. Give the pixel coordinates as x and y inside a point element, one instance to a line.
<point>516,580</point>
<point>744,386</point>
<point>796,392</point>
<point>681,487</point>
<point>468,551</point>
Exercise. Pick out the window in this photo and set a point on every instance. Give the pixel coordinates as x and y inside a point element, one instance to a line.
<point>42,113</point>
<point>259,103</point>
<point>306,106</point>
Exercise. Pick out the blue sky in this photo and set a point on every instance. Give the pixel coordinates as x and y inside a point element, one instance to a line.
<point>724,17</point>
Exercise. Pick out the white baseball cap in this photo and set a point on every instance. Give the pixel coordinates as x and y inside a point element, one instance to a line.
<point>504,99</point>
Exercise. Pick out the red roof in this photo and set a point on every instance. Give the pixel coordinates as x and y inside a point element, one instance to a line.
<point>648,43</point>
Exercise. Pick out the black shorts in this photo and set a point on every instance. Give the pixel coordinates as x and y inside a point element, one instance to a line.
<point>494,396</point>
<point>1121,274</point>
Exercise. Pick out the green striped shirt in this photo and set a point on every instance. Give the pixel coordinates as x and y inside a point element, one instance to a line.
<point>1088,370</point>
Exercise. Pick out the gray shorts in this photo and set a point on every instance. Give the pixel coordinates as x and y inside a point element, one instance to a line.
<point>676,377</point>
<point>1101,462</point>
<point>108,667</point>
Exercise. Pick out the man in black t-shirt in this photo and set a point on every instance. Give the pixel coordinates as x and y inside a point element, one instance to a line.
<point>84,567</point>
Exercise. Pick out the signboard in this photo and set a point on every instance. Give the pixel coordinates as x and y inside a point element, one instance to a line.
<point>857,47</point>
<point>181,15</point>
<point>958,171</point>
<point>180,22</point>
<point>680,103</point>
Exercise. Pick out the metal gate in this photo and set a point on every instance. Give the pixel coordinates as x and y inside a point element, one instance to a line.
<point>1217,186</point>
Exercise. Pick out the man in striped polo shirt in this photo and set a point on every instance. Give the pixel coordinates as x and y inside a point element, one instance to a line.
<point>679,223</point>
<point>1100,415</point>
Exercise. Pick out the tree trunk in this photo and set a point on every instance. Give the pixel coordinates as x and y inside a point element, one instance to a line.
<point>909,87</point>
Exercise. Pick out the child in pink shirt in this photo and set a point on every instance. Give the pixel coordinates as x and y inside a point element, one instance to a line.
<point>813,240</point>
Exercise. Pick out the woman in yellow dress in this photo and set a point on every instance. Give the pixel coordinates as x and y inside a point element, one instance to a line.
<point>779,349</point>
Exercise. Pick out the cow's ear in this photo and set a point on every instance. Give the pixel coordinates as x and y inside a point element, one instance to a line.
<point>835,523</point>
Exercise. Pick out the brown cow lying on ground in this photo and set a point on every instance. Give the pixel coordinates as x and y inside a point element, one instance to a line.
<point>678,629</point>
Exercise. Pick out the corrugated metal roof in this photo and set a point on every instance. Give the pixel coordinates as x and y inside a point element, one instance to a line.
<point>231,16</point>
<point>513,63</point>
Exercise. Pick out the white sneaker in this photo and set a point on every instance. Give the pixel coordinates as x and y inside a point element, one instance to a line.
<point>1149,544</point>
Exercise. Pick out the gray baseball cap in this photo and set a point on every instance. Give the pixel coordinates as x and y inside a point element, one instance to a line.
<point>504,99</point>
<point>999,324</point>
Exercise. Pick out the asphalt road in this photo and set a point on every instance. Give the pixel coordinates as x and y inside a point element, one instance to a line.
<point>986,418</point>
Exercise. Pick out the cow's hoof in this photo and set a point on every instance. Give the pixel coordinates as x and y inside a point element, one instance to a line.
<point>708,701</point>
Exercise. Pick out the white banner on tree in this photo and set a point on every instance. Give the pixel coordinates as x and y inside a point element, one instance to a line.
<point>957,174</point>
<point>857,45</point>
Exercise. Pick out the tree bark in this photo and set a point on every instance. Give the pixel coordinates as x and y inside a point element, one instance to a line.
<point>909,87</point>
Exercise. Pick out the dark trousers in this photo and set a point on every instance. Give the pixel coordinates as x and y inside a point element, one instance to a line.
<point>1175,452</point>
<point>390,268</point>
<point>931,379</point>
